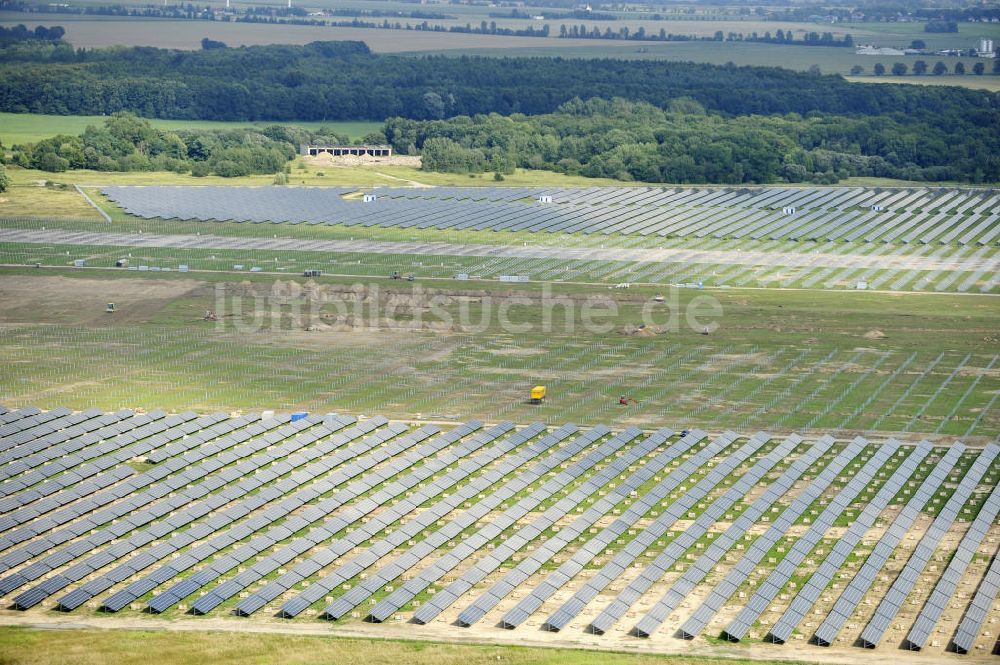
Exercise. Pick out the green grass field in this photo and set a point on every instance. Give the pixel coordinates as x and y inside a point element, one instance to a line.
<point>18,128</point>
<point>780,359</point>
<point>93,647</point>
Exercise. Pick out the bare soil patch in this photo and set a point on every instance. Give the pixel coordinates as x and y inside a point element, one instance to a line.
<point>82,301</point>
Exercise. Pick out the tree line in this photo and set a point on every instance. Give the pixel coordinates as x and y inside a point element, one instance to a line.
<point>615,138</point>
<point>20,33</point>
<point>920,68</point>
<point>125,142</point>
<point>684,144</point>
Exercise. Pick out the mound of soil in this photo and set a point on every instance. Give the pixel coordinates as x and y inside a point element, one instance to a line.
<point>359,160</point>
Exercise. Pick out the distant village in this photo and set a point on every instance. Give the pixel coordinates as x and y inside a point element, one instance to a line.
<point>984,48</point>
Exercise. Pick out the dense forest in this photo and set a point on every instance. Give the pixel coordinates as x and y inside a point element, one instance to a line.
<point>344,81</point>
<point>682,122</point>
<point>684,144</point>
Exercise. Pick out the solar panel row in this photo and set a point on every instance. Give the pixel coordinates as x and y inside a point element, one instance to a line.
<point>525,534</point>
<point>761,545</point>
<point>23,456</point>
<point>978,610</point>
<point>84,481</point>
<point>277,534</point>
<point>387,573</point>
<point>787,213</point>
<point>126,494</point>
<point>771,587</point>
<point>105,455</point>
<point>45,424</point>
<point>470,517</point>
<point>351,447</point>
<point>195,497</point>
<point>250,493</point>
<point>540,555</point>
<point>30,419</point>
<point>417,552</point>
<point>449,454</point>
<point>592,547</point>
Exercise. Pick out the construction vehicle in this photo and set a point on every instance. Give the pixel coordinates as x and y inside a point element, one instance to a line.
<point>537,395</point>
<point>625,400</point>
<point>395,275</point>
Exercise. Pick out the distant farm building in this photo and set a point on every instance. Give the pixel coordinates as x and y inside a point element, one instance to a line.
<point>343,150</point>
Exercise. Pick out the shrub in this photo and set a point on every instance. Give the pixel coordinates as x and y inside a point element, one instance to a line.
<point>200,169</point>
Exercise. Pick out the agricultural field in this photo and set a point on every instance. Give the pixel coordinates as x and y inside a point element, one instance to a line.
<point>800,58</point>
<point>86,32</point>
<point>90,32</point>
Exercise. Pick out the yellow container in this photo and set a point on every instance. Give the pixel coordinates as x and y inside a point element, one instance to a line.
<point>538,393</point>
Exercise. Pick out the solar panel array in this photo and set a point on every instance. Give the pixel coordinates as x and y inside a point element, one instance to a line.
<point>740,626</point>
<point>820,579</point>
<point>907,578</point>
<point>946,585</point>
<point>760,546</point>
<point>618,564</point>
<point>865,578</point>
<point>965,216</point>
<point>675,550</point>
<point>326,515</point>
